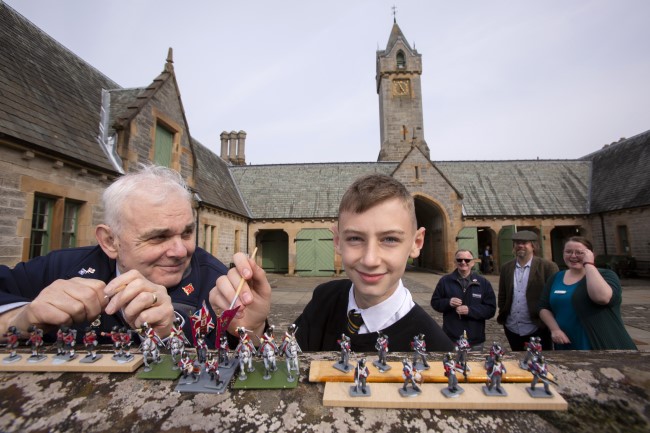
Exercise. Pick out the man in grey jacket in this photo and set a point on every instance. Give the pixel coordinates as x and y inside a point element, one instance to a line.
<point>520,285</point>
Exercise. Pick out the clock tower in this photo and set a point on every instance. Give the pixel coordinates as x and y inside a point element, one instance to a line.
<point>399,68</point>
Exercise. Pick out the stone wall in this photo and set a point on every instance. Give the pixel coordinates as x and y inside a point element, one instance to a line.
<point>24,174</point>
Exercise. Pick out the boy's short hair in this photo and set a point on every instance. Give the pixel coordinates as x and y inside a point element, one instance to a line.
<point>370,190</point>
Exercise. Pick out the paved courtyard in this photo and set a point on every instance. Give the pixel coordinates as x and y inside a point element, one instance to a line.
<point>291,294</point>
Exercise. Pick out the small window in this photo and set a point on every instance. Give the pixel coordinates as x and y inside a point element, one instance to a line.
<point>401,60</point>
<point>163,146</point>
<point>70,219</point>
<point>417,172</point>
<point>39,243</point>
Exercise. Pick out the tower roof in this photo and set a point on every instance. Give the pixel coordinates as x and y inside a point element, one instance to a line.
<point>395,35</point>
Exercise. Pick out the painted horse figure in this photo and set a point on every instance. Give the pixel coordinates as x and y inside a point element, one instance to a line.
<point>245,357</point>
<point>290,349</point>
<point>176,347</point>
<point>151,352</point>
<point>268,354</point>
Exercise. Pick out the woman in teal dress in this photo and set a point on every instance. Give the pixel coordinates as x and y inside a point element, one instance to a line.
<point>582,305</point>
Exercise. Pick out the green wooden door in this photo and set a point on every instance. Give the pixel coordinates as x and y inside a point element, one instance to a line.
<point>505,244</point>
<point>275,248</point>
<point>315,253</point>
<point>468,240</point>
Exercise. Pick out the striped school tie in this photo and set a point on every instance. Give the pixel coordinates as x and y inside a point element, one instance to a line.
<point>354,321</point>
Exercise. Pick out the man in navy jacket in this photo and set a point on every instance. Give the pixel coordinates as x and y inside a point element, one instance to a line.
<point>145,268</point>
<point>466,300</point>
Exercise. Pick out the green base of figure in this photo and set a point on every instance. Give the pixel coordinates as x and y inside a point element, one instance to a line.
<point>162,371</point>
<point>255,379</point>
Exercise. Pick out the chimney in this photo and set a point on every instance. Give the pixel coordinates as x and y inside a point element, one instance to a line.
<point>241,148</point>
<point>232,147</point>
<point>224,146</point>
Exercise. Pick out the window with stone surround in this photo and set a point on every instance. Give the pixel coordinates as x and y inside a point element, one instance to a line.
<point>55,222</point>
<point>39,243</point>
<point>70,221</point>
<point>163,146</point>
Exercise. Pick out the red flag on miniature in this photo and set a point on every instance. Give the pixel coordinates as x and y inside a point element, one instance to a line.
<point>223,321</point>
<point>202,321</point>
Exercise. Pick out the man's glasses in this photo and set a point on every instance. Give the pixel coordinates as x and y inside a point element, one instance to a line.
<point>463,260</point>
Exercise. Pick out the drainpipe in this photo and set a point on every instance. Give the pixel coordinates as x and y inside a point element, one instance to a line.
<point>602,231</point>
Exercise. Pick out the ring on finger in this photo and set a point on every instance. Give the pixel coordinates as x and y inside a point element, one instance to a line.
<point>155,299</point>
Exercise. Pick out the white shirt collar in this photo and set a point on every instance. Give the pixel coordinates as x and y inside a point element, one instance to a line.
<point>386,313</point>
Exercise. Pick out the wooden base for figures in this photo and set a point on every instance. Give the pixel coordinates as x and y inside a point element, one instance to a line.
<point>323,371</point>
<point>103,365</point>
<point>387,396</point>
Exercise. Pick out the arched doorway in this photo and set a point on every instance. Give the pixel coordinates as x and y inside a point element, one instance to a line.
<point>430,216</point>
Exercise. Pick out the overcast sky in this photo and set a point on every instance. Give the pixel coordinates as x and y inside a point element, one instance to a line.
<point>553,79</point>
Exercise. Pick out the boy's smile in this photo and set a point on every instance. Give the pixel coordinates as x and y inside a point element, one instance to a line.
<point>374,246</point>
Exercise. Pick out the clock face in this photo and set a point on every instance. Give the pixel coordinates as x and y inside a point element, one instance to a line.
<point>401,87</point>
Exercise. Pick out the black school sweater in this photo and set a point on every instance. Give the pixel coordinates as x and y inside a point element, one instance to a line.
<point>324,319</point>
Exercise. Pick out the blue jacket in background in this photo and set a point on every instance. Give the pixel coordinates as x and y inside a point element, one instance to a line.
<point>478,296</point>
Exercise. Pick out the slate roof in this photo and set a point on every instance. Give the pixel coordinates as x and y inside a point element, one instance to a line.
<point>50,97</point>
<point>621,175</point>
<point>121,100</point>
<point>300,190</point>
<point>520,188</point>
<point>214,182</point>
<point>490,188</point>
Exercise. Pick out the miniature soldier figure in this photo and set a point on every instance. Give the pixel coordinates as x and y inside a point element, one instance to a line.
<point>420,347</point>
<point>36,342</point>
<point>212,367</point>
<point>149,346</point>
<point>115,339</point>
<point>539,369</point>
<point>245,351</point>
<point>201,347</point>
<point>462,347</point>
<point>410,375</point>
<point>12,343</point>
<point>495,373</point>
<point>65,340</point>
<point>269,350</point>
<point>268,340</point>
<point>290,349</point>
<point>178,330</point>
<point>176,347</point>
<point>125,342</point>
<point>223,351</point>
<point>382,351</point>
<point>343,363</point>
<point>533,349</point>
<point>188,367</point>
<point>449,364</point>
<point>495,350</point>
<point>268,336</point>
<point>361,374</point>
<point>90,342</point>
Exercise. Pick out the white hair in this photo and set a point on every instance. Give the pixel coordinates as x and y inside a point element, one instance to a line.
<point>158,182</point>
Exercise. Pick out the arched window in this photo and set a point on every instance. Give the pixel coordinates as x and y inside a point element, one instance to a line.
<point>401,60</point>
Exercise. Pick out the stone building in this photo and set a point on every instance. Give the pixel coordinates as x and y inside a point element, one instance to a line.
<point>66,131</point>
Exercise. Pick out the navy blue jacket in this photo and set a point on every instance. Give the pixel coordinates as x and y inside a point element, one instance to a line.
<point>478,296</point>
<point>25,281</point>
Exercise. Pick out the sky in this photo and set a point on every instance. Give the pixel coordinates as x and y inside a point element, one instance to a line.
<point>502,79</point>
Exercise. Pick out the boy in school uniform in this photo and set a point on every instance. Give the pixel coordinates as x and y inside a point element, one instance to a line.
<point>375,236</point>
